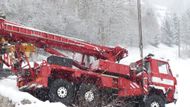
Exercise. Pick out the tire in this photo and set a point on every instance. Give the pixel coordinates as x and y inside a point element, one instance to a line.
<point>61,91</point>
<point>41,94</point>
<point>89,96</point>
<point>154,101</point>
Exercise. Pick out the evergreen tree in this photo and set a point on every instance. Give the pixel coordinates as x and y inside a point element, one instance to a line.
<point>170,30</point>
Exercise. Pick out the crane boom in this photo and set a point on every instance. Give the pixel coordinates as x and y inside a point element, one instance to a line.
<point>41,39</point>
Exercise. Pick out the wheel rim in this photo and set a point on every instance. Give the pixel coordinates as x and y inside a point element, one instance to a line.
<point>62,92</point>
<point>89,96</point>
<point>155,104</point>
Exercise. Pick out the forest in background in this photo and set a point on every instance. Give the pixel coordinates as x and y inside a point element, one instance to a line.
<point>105,22</point>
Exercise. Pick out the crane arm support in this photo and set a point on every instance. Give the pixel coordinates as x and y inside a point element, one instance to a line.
<point>15,32</point>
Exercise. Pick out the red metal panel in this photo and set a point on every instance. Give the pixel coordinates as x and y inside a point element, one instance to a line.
<point>112,67</point>
<point>106,82</point>
<point>42,78</point>
<point>154,66</point>
<point>128,88</point>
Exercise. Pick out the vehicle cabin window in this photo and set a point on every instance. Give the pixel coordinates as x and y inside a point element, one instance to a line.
<point>163,68</point>
<point>147,66</point>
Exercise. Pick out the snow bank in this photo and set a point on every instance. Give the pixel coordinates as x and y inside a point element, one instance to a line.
<point>43,104</point>
<point>8,89</point>
<point>5,102</point>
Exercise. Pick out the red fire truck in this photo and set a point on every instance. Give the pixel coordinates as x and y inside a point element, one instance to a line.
<point>99,82</point>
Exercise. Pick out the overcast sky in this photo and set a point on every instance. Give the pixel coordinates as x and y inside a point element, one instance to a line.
<point>178,6</point>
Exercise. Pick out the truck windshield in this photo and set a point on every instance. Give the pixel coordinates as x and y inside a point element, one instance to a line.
<point>163,68</point>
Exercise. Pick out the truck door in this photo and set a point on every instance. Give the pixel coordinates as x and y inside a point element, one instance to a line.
<point>162,77</point>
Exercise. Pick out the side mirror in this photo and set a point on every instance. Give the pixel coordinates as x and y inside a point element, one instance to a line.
<point>177,75</point>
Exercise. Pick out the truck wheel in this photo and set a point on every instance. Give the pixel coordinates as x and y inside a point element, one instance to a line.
<point>89,96</point>
<point>154,101</point>
<point>41,94</point>
<point>61,91</point>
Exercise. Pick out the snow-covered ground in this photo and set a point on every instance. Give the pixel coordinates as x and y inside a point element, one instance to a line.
<point>179,66</point>
<point>8,89</point>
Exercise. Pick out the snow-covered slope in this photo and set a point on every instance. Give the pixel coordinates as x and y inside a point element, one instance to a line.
<point>179,66</point>
<point>8,89</point>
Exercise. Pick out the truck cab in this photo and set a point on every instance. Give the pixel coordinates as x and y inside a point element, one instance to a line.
<point>157,79</point>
